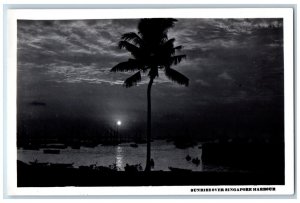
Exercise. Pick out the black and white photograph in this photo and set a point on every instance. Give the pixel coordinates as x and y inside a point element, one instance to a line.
<point>160,101</point>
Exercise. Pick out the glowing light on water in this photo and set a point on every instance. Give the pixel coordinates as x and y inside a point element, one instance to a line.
<point>164,154</point>
<point>119,157</point>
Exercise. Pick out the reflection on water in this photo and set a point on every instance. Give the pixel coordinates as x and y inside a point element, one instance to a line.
<point>163,153</point>
<point>119,157</point>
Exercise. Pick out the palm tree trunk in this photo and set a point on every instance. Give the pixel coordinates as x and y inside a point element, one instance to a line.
<point>148,166</point>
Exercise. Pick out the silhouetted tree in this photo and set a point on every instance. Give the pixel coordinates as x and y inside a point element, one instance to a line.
<point>151,50</point>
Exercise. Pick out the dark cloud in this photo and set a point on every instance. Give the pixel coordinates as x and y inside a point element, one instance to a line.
<point>37,103</point>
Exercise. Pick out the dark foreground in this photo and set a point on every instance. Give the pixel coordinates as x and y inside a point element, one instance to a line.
<point>29,176</point>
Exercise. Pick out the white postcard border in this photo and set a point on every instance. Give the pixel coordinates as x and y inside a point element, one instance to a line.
<point>11,154</point>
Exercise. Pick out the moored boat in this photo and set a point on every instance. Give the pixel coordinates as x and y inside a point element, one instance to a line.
<point>61,165</point>
<point>51,151</point>
<point>173,169</point>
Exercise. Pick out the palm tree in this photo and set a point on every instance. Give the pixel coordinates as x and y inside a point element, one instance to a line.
<point>151,50</point>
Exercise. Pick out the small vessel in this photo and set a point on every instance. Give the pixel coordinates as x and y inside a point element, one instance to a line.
<point>134,145</point>
<point>61,165</point>
<point>133,168</point>
<point>173,169</point>
<point>196,161</point>
<point>188,157</point>
<point>39,164</point>
<point>55,146</point>
<point>75,147</point>
<point>31,147</point>
<point>51,151</point>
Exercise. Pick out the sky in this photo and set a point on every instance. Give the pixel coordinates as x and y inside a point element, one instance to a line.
<point>235,68</point>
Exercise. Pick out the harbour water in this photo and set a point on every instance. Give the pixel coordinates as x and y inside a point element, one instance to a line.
<point>164,154</point>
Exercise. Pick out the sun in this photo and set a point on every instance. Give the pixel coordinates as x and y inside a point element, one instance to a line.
<point>119,123</point>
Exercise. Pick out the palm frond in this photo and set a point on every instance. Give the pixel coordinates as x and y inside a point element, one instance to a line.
<point>168,47</point>
<point>133,80</point>
<point>176,76</point>
<point>170,42</point>
<point>130,65</point>
<point>178,47</point>
<point>177,59</point>
<point>134,50</point>
<point>132,37</point>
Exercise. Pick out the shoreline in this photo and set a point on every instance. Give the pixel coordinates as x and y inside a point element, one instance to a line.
<point>33,176</point>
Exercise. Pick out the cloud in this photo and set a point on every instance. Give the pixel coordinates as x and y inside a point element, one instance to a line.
<point>246,51</point>
<point>225,76</point>
<point>202,82</point>
<point>37,103</point>
<point>231,63</point>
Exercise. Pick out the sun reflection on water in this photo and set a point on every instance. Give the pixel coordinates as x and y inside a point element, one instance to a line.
<point>119,157</point>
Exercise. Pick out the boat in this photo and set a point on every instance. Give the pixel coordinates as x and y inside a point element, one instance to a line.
<point>39,164</point>
<point>75,146</point>
<point>51,151</point>
<point>196,161</point>
<point>110,143</point>
<point>31,147</point>
<point>55,146</point>
<point>61,165</point>
<point>173,169</point>
<point>90,144</point>
<point>134,145</point>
